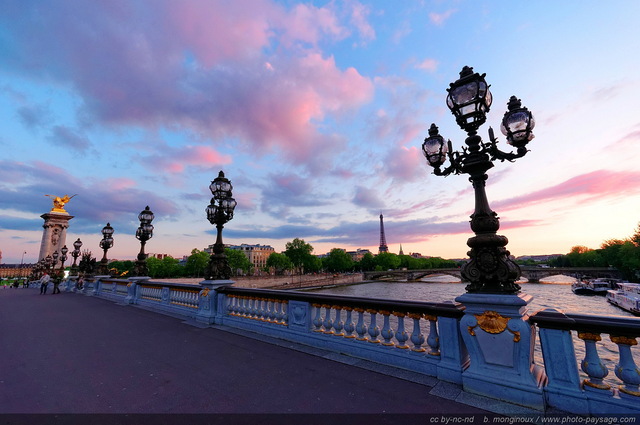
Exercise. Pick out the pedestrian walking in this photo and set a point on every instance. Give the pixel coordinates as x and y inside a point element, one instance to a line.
<point>44,283</point>
<point>56,283</point>
<point>80,283</point>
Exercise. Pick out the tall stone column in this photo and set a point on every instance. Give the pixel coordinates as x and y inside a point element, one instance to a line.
<point>54,235</point>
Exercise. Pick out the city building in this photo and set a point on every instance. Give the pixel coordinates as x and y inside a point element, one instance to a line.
<point>257,254</point>
<point>15,270</point>
<point>358,254</point>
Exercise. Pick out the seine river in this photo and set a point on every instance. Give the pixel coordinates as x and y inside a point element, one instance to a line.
<point>552,293</point>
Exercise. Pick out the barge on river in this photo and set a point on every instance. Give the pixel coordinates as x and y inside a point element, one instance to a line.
<point>591,287</point>
<point>627,297</point>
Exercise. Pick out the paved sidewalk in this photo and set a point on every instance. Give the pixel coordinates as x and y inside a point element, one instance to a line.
<point>70,353</point>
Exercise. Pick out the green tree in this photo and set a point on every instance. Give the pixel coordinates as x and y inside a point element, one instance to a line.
<point>387,261</point>
<point>124,268</point>
<point>196,263</point>
<point>168,267</point>
<point>367,263</point>
<point>238,261</point>
<point>337,261</point>
<point>299,252</point>
<point>279,262</point>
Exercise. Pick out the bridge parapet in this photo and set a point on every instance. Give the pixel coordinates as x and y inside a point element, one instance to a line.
<point>424,338</point>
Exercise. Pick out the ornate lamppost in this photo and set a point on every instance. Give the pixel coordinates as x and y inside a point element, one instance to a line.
<point>219,212</point>
<point>105,244</point>
<point>75,254</point>
<point>490,270</point>
<point>48,260</point>
<point>54,256</point>
<point>143,234</point>
<point>495,316</point>
<point>64,250</point>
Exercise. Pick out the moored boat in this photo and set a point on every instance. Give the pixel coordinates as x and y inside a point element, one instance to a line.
<point>591,287</point>
<point>627,297</point>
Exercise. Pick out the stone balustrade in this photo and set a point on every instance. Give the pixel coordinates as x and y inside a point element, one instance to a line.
<point>591,395</point>
<point>450,341</point>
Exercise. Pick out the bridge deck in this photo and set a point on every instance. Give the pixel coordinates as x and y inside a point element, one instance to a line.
<point>76,354</point>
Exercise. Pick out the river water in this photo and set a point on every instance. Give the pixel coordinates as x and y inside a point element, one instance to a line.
<point>554,292</point>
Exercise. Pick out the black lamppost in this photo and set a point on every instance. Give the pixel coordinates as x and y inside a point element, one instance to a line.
<point>490,270</point>
<point>47,263</point>
<point>219,212</point>
<point>54,256</point>
<point>143,234</point>
<point>105,244</point>
<point>75,254</point>
<point>63,257</point>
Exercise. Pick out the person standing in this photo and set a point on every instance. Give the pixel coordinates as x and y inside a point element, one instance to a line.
<point>57,278</point>
<point>44,282</point>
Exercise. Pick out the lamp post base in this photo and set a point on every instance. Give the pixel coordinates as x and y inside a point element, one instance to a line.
<point>500,342</point>
<point>209,302</point>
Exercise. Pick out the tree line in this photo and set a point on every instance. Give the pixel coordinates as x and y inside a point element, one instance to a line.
<point>622,254</point>
<point>296,258</point>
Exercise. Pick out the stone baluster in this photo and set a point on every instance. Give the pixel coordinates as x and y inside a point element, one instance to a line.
<point>374,330</point>
<point>387,332</point>
<point>262,309</point>
<point>327,322</point>
<point>280,313</point>
<point>349,326</point>
<point>401,335</point>
<point>626,369</point>
<point>361,328</point>
<point>338,325</point>
<point>272,311</point>
<point>592,365</point>
<point>433,340</point>
<point>231,311</point>
<point>416,336</point>
<point>284,311</point>
<point>243,306</point>
<point>254,312</point>
<point>317,321</point>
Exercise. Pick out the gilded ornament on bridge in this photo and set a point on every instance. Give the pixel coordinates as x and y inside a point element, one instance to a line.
<point>493,323</point>
<point>58,202</point>
<point>431,317</point>
<point>599,386</point>
<point>586,336</point>
<point>205,293</point>
<point>627,391</point>
<point>623,340</point>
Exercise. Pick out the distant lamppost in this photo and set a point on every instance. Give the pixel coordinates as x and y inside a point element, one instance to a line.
<point>54,256</point>
<point>143,234</point>
<point>22,262</point>
<point>64,250</point>
<point>75,254</point>
<point>48,260</point>
<point>490,270</point>
<point>219,212</point>
<point>105,244</point>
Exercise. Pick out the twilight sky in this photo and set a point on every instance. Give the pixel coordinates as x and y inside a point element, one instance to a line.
<point>316,112</point>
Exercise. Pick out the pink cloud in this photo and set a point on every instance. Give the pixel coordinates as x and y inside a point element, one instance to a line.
<point>120,183</point>
<point>592,186</point>
<point>175,160</point>
<point>196,64</point>
<point>440,18</point>
<point>430,65</point>
<point>405,164</point>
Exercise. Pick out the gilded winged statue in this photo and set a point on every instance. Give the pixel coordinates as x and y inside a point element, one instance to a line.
<point>58,202</point>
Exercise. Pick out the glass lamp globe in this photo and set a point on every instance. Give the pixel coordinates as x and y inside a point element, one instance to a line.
<point>434,148</point>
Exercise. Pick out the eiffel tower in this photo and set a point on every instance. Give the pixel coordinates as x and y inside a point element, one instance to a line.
<point>383,241</point>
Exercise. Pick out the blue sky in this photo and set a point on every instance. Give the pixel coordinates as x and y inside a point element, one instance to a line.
<point>316,112</point>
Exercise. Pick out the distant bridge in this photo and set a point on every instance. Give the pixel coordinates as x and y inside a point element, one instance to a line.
<point>533,274</point>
